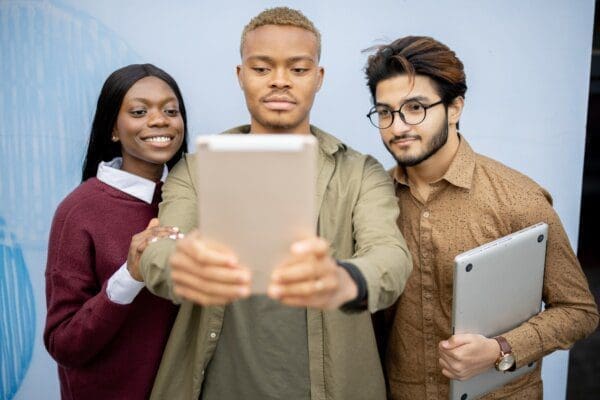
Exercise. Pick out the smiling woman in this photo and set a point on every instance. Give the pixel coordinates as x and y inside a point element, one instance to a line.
<point>149,127</point>
<point>101,322</point>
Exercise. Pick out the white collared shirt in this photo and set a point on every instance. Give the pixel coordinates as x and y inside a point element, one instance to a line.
<point>121,287</point>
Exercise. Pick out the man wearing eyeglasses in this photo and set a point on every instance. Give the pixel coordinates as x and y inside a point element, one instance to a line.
<point>451,200</point>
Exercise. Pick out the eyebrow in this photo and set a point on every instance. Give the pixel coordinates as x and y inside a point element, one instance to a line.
<point>290,60</point>
<point>422,99</point>
<point>146,101</point>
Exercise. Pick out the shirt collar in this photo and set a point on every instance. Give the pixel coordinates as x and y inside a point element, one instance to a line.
<point>460,172</point>
<point>110,173</point>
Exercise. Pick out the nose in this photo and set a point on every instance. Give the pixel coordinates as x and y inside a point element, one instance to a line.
<point>158,119</point>
<point>398,126</point>
<point>280,79</point>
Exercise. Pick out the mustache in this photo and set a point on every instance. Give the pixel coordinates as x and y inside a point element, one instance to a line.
<point>279,93</point>
<point>396,139</point>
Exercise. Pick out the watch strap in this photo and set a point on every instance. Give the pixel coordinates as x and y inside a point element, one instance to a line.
<point>505,347</point>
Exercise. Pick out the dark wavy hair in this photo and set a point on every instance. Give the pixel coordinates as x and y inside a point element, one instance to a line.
<point>418,55</point>
<point>100,146</point>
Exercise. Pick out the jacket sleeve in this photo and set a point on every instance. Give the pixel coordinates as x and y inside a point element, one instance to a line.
<point>80,320</point>
<point>381,253</point>
<point>178,208</point>
<point>570,312</point>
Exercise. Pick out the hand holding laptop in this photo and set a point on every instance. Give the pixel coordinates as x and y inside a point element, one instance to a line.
<point>465,355</point>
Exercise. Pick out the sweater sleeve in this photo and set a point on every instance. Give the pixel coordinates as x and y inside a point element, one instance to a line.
<point>570,313</point>
<point>81,320</point>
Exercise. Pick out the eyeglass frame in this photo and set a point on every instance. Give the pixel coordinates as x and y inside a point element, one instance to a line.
<point>425,108</point>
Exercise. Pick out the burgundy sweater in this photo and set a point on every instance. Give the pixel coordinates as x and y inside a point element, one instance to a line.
<point>104,350</point>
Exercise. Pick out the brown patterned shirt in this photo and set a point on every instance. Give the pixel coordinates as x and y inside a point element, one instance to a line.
<point>476,201</point>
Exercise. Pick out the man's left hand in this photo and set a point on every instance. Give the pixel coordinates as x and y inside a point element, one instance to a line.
<point>310,277</point>
<point>463,356</point>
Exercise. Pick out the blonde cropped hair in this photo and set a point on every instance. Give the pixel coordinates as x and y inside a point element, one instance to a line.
<point>281,16</point>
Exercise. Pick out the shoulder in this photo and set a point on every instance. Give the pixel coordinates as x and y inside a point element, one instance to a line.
<point>354,166</point>
<point>90,201</point>
<point>87,192</point>
<point>79,207</point>
<point>506,176</point>
<point>521,195</point>
<point>330,144</point>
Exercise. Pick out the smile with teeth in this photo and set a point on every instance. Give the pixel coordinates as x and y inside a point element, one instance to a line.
<point>158,139</point>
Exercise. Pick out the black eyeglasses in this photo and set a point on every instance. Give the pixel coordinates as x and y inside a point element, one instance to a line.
<point>412,112</point>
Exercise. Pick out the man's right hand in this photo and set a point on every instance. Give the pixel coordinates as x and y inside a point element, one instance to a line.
<point>207,273</point>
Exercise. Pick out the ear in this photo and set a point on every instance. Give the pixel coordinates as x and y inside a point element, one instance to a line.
<point>455,110</point>
<point>321,72</point>
<point>238,72</point>
<point>114,136</point>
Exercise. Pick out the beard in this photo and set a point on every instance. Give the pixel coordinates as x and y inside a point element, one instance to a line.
<point>433,146</point>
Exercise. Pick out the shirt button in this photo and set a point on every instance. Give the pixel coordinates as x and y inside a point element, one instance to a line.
<point>202,372</point>
<point>428,296</point>
<point>213,335</point>
<point>426,214</point>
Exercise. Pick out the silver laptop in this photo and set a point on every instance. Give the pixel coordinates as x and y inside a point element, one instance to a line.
<point>497,287</point>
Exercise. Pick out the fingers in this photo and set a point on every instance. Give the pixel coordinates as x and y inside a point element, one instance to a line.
<point>471,355</point>
<point>297,272</point>
<point>203,252</point>
<point>304,262</point>
<point>305,288</point>
<point>151,235</point>
<point>153,222</point>
<point>207,273</point>
<point>314,246</point>
<point>453,368</point>
<point>308,278</point>
<point>447,370</point>
<point>229,286</point>
<point>456,341</point>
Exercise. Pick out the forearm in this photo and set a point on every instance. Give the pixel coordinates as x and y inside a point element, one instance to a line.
<point>178,209</point>
<point>386,271</point>
<point>381,253</point>
<point>154,267</point>
<point>571,313</point>
<point>77,329</point>
<point>553,329</point>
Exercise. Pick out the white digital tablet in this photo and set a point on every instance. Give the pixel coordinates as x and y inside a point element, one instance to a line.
<point>256,195</point>
<point>497,287</point>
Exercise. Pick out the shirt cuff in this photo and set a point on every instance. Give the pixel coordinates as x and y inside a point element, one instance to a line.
<point>122,288</point>
<point>360,302</point>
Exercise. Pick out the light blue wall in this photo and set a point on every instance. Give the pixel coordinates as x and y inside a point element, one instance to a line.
<point>527,65</point>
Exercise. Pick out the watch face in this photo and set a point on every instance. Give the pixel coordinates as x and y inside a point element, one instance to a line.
<point>506,362</point>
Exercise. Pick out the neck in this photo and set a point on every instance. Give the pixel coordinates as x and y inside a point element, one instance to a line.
<point>432,169</point>
<point>302,129</point>
<point>151,172</point>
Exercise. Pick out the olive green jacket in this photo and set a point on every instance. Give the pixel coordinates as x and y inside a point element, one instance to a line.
<point>357,215</point>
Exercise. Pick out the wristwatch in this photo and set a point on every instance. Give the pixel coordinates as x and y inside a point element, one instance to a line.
<point>506,360</point>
